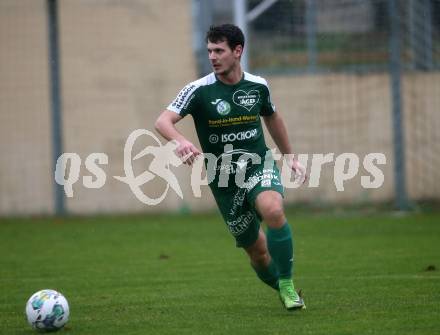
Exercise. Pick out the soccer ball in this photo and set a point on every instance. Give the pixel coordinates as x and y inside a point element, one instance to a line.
<point>47,310</point>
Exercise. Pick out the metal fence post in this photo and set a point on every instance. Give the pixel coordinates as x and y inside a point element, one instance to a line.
<point>398,134</point>
<point>240,10</point>
<point>54,77</point>
<point>202,16</point>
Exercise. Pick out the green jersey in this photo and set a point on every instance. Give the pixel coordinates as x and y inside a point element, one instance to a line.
<point>227,114</point>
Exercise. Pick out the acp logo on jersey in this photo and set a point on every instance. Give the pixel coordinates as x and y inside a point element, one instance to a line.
<point>223,107</point>
<point>246,99</point>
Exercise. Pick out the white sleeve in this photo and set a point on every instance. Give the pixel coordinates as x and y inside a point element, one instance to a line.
<point>184,102</point>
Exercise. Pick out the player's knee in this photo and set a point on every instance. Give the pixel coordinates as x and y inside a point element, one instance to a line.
<point>274,215</point>
<point>270,207</point>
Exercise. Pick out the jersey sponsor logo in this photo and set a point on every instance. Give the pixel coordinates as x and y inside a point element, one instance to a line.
<point>231,121</point>
<point>183,95</point>
<point>223,107</point>
<point>213,138</point>
<point>241,136</point>
<point>188,101</point>
<point>246,100</point>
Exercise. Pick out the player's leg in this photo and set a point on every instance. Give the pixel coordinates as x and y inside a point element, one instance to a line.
<point>261,261</point>
<point>269,205</point>
<point>242,222</point>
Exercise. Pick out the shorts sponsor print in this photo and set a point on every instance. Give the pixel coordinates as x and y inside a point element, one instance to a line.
<point>237,204</point>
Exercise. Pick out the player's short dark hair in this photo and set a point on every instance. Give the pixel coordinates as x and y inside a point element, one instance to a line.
<point>226,32</point>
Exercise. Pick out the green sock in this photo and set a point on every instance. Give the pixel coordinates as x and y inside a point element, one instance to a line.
<point>268,275</point>
<point>279,242</point>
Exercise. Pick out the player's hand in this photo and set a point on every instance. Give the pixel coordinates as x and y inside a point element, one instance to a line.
<point>187,151</point>
<point>299,170</point>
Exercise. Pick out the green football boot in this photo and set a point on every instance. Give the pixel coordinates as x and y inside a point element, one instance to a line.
<point>289,297</point>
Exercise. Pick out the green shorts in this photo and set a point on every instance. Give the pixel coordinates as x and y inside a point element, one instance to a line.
<point>237,204</point>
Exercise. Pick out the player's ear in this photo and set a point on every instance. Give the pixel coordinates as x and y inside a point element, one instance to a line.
<point>238,50</point>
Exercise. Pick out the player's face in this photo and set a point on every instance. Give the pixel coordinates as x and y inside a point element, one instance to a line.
<point>222,58</point>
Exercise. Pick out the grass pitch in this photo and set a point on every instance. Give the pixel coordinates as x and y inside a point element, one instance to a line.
<point>183,275</point>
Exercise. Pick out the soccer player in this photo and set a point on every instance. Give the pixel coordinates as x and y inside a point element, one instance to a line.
<point>227,106</point>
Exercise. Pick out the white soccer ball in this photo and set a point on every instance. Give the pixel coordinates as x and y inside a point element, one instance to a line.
<point>47,310</point>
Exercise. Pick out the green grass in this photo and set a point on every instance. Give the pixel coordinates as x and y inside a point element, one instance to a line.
<point>183,275</point>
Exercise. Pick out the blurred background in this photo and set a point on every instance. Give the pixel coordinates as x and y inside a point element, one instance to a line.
<point>348,76</point>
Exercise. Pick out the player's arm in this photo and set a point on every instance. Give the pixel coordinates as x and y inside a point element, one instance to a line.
<point>165,126</point>
<point>278,131</point>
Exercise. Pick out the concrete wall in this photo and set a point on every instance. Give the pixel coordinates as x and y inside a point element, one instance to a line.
<point>25,147</point>
<point>123,62</point>
<point>337,114</point>
<point>350,113</point>
<point>421,100</point>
